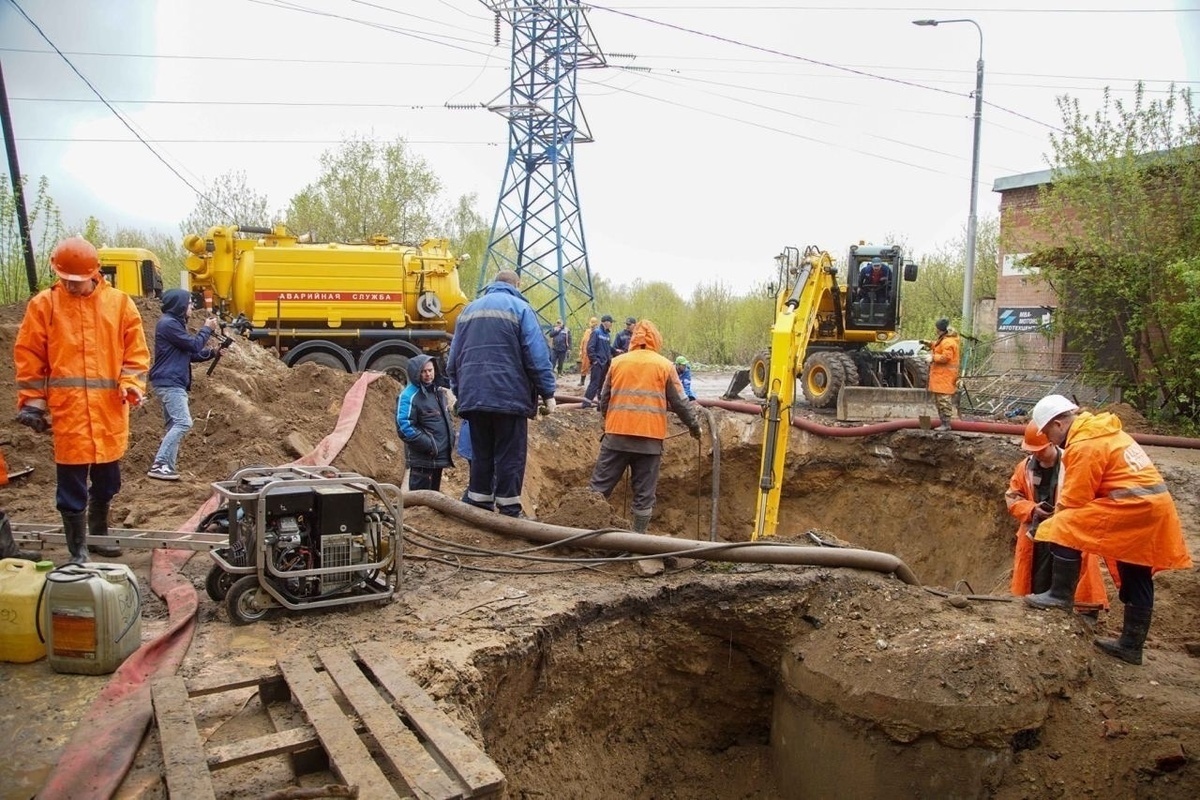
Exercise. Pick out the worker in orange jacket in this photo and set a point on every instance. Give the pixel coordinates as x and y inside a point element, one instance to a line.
<point>638,389</point>
<point>943,370</point>
<point>585,363</point>
<point>81,363</point>
<point>1032,492</point>
<point>1114,503</point>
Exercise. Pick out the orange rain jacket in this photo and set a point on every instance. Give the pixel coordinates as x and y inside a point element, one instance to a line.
<point>638,386</point>
<point>1112,500</point>
<point>1020,501</point>
<point>943,371</point>
<point>76,357</point>
<point>585,363</point>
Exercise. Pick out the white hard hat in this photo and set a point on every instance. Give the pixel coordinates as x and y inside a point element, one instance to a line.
<point>1050,407</point>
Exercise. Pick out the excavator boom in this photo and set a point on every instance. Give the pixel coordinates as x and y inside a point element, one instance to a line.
<point>809,275</point>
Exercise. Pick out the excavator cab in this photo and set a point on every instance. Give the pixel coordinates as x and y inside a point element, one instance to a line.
<point>873,277</point>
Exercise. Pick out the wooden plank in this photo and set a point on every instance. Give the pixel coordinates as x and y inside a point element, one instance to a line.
<point>183,753</point>
<point>198,688</point>
<point>285,716</point>
<point>348,756</point>
<point>469,762</point>
<point>406,755</point>
<point>271,744</point>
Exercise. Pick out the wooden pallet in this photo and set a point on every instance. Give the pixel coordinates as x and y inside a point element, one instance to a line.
<point>419,743</point>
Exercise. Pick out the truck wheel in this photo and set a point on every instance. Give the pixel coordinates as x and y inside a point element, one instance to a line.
<point>760,373</point>
<point>850,369</point>
<point>239,600</point>
<point>324,359</point>
<point>395,365</point>
<point>822,378</point>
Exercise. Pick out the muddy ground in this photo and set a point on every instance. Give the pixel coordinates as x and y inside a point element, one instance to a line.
<point>599,681</point>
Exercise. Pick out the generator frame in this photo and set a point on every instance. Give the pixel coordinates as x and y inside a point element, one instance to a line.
<point>252,588</point>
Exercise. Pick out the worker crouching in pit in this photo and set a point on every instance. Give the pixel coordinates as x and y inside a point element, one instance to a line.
<point>1113,502</point>
<point>639,388</point>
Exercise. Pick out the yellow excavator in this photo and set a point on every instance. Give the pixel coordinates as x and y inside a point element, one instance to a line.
<point>819,336</point>
<point>846,319</point>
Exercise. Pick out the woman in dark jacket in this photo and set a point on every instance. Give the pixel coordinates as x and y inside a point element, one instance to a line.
<point>423,422</point>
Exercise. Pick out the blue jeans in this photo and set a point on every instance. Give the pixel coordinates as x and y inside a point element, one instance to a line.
<point>177,418</point>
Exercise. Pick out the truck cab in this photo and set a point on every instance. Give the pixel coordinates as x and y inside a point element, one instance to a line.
<point>133,270</point>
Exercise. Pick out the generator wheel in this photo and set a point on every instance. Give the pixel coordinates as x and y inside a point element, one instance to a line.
<point>240,601</point>
<point>760,373</point>
<point>218,582</point>
<point>822,378</point>
<point>395,365</point>
<point>917,372</point>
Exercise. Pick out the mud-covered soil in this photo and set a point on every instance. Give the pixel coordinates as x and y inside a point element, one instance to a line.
<point>597,681</point>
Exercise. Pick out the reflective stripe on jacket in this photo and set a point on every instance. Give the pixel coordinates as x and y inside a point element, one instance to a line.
<point>78,355</point>
<point>1113,501</point>
<point>637,401</point>
<point>943,370</point>
<point>499,361</point>
<point>1020,499</point>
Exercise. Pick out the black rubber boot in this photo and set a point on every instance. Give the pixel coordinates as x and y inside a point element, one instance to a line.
<point>945,426</point>
<point>1063,580</point>
<point>75,527</point>
<point>1129,646</point>
<point>8,548</point>
<point>641,522</point>
<point>97,523</point>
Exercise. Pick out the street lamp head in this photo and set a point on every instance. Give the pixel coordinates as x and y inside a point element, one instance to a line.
<point>931,23</point>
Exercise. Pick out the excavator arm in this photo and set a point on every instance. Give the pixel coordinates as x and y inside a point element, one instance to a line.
<point>809,275</point>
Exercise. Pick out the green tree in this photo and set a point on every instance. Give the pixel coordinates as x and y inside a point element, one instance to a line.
<point>227,200</point>
<point>468,233</point>
<point>367,188</point>
<point>46,228</point>
<point>1122,219</point>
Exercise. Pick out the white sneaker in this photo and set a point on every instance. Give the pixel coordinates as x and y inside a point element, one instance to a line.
<point>162,472</point>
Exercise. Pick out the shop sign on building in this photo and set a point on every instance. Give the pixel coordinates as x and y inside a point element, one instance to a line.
<point>1024,320</point>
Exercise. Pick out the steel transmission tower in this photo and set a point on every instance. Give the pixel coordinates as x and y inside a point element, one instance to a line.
<point>538,227</point>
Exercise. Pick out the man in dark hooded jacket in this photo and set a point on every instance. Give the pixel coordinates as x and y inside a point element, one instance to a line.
<point>175,349</point>
<point>423,422</point>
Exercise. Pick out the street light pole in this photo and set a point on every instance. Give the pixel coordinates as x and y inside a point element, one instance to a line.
<point>968,303</point>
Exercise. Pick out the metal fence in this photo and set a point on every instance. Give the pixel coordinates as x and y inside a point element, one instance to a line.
<point>1007,384</point>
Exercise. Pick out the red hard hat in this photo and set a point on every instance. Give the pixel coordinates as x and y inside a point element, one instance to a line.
<point>75,259</point>
<point>1035,440</point>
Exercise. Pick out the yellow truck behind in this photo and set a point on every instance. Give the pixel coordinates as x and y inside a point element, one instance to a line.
<point>133,270</point>
<point>348,306</point>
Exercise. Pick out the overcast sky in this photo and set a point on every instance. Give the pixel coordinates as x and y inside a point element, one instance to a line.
<point>746,126</point>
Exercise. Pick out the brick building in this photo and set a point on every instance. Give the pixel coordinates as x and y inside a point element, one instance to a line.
<point>1025,306</point>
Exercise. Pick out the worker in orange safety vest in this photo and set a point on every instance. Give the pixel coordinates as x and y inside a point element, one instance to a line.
<point>1032,492</point>
<point>1113,502</point>
<point>81,363</point>
<point>640,386</point>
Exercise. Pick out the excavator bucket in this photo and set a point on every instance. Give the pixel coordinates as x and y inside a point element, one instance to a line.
<point>872,403</point>
<point>741,379</point>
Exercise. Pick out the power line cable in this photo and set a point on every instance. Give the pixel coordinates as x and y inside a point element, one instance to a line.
<point>912,9</point>
<point>642,56</point>
<point>838,67</point>
<point>117,114</point>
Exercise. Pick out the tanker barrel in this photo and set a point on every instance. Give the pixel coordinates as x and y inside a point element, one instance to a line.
<point>255,229</point>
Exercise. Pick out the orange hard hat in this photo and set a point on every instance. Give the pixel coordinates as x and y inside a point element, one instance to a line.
<point>1034,440</point>
<point>75,259</point>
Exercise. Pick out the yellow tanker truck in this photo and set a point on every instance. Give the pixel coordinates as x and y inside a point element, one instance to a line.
<point>351,307</point>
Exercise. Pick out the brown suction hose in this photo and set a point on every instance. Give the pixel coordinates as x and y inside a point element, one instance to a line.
<point>646,544</point>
